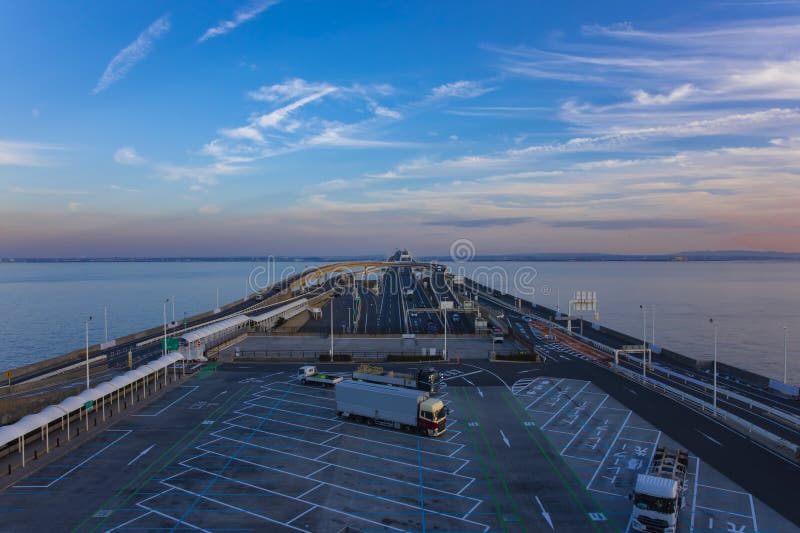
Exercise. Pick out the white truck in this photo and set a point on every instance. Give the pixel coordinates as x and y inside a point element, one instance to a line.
<point>427,379</point>
<point>658,495</point>
<point>396,407</point>
<point>308,375</point>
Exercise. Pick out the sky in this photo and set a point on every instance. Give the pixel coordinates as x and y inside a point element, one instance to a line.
<point>255,127</point>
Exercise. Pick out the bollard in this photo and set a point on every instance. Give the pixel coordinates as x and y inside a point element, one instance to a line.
<point>35,454</point>
<point>58,442</point>
<point>78,433</point>
<point>95,421</point>
<point>9,469</point>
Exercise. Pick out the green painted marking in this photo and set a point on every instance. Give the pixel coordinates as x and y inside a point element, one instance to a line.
<point>515,408</point>
<point>497,468</point>
<point>208,370</point>
<point>198,431</point>
<point>485,473</point>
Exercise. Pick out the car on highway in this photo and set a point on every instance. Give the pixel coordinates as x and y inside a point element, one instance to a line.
<point>526,318</point>
<point>456,317</point>
<point>432,327</point>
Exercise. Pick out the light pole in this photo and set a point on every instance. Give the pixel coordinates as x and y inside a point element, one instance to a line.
<point>172,300</point>
<point>164,347</point>
<point>711,320</point>
<point>105,320</point>
<point>349,318</point>
<point>331,327</point>
<point>644,339</point>
<point>785,358</point>
<point>86,324</point>
<point>653,336</point>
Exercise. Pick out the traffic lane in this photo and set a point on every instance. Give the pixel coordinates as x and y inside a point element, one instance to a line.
<point>742,460</point>
<point>731,383</point>
<point>511,450</point>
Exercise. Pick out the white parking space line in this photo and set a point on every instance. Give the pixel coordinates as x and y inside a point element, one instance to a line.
<point>585,424</point>
<point>177,520</point>
<point>723,512</point>
<point>125,433</point>
<point>193,388</point>
<point>566,404</point>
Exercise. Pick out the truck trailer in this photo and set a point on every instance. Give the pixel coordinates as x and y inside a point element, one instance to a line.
<point>397,407</point>
<point>427,379</point>
<point>658,495</point>
<point>308,375</point>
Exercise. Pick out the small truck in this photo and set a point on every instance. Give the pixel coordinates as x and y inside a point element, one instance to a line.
<point>395,407</point>
<point>658,495</point>
<point>427,379</point>
<point>308,375</point>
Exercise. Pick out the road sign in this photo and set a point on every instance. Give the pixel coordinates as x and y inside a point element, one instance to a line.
<point>171,344</point>
<point>88,405</point>
<point>8,374</point>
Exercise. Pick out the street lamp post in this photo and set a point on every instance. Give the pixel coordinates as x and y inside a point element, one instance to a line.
<point>653,335</point>
<point>711,320</point>
<point>331,328</point>
<point>164,347</point>
<point>644,339</point>
<point>105,320</point>
<point>785,358</point>
<point>86,324</point>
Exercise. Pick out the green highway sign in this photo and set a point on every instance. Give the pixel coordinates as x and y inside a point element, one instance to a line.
<point>88,405</point>
<point>171,344</point>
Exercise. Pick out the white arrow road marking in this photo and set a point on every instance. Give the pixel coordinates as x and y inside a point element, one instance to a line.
<point>545,514</point>
<point>712,439</point>
<point>220,394</point>
<point>632,391</point>
<point>468,381</point>
<point>141,454</point>
<point>480,391</point>
<point>505,439</point>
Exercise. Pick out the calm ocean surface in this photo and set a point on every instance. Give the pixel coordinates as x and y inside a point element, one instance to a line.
<point>44,305</point>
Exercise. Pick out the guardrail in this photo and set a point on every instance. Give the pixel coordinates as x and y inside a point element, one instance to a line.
<point>63,369</point>
<point>688,398</point>
<point>705,407</point>
<point>753,404</point>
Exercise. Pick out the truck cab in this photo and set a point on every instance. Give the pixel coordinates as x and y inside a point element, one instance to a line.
<point>658,495</point>
<point>656,502</point>
<point>432,417</point>
<point>306,371</point>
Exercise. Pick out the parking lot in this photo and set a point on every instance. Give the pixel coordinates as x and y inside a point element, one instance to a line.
<point>608,445</point>
<point>248,448</point>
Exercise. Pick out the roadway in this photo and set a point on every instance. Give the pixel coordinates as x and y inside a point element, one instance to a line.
<point>724,381</point>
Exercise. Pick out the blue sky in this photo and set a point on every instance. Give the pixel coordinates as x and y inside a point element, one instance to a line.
<point>298,127</point>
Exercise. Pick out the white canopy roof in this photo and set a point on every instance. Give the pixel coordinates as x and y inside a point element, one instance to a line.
<point>71,404</point>
<point>302,303</point>
<point>52,413</point>
<point>217,327</point>
<point>121,381</point>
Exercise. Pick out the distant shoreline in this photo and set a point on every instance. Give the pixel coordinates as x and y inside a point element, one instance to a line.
<point>713,256</point>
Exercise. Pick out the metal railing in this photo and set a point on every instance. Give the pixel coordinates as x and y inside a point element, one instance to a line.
<point>705,407</point>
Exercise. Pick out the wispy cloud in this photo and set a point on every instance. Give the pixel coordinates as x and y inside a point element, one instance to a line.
<point>288,90</point>
<point>47,191</point>
<point>122,189</point>
<point>127,155</point>
<point>125,60</point>
<point>25,154</point>
<point>240,16</point>
<point>460,89</point>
